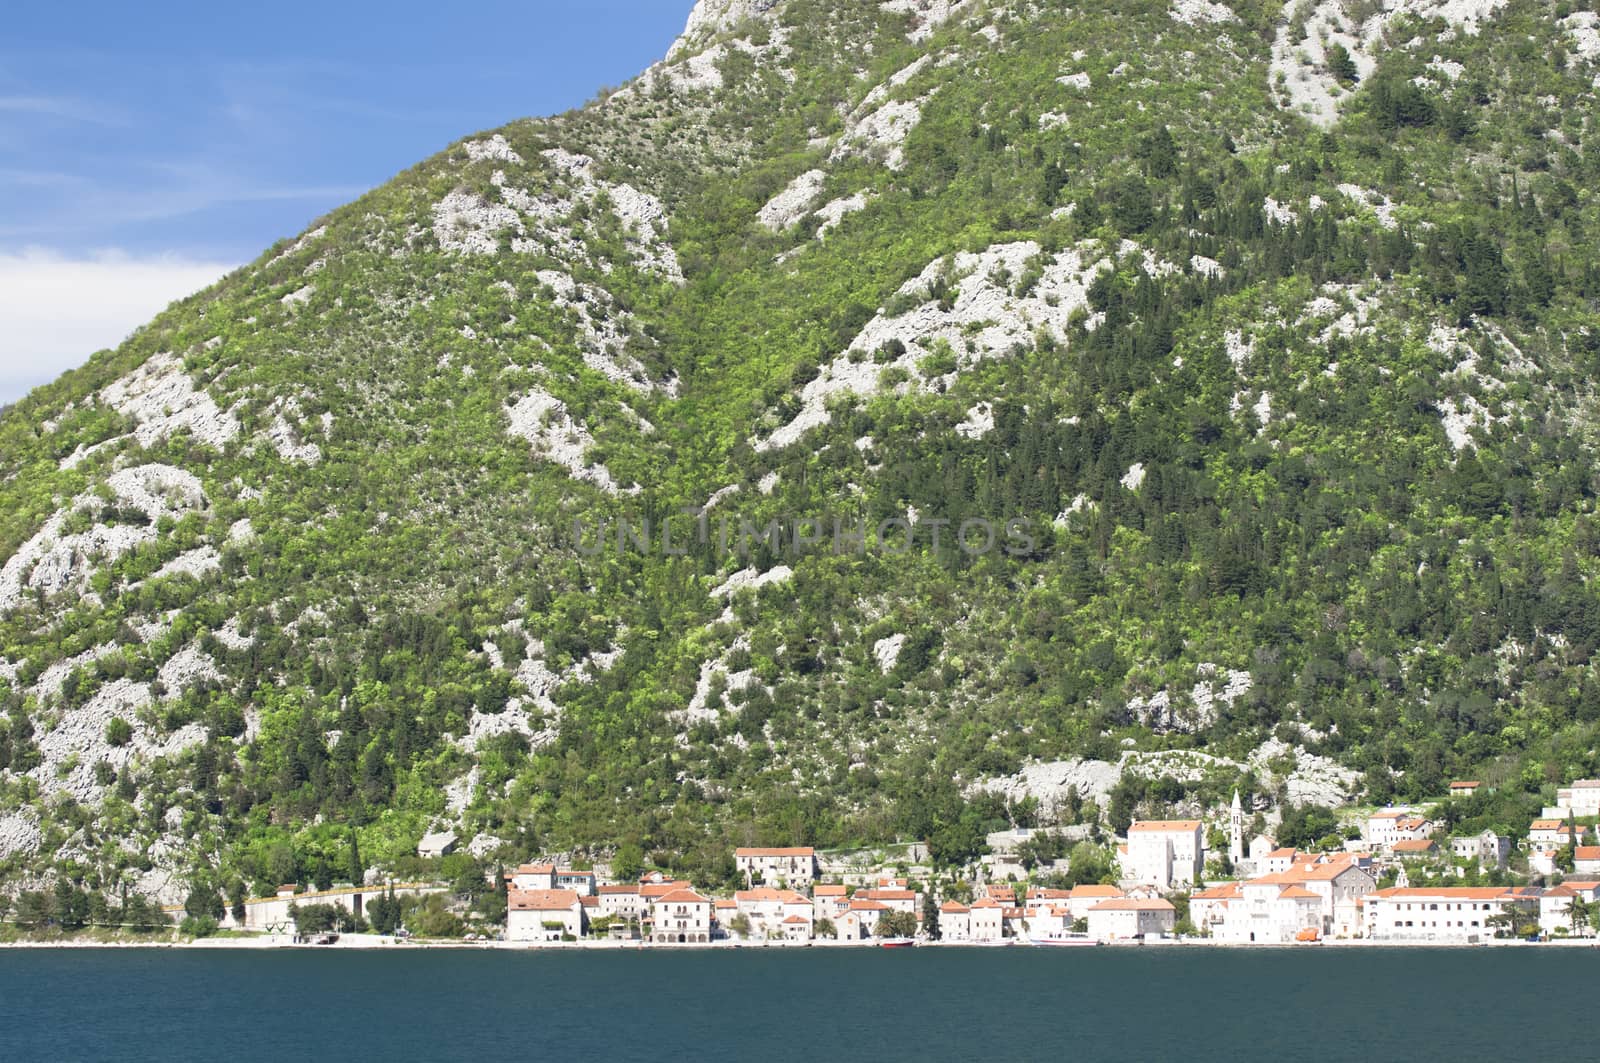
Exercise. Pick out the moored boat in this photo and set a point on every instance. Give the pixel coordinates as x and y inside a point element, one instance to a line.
<point>897,943</point>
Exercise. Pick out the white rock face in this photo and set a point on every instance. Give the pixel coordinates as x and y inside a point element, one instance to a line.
<point>787,207</point>
<point>602,329</point>
<point>1048,782</point>
<point>196,563</point>
<point>1314,780</point>
<point>1278,213</point>
<point>19,833</point>
<point>1080,81</point>
<point>78,739</point>
<point>161,397</point>
<point>985,319</point>
<point>979,422</point>
<point>467,224</point>
<point>54,561</point>
<point>887,652</point>
<point>711,17</point>
<point>1200,13</point>
<point>699,709</point>
<point>286,439</point>
<point>1381,205</point>
<point>643,217</point>
<point>750,579</point>
<point>543,420</point>
<point>1460,416</point>
<point>493,148</point>
<point>1133,479</point>
<point>1302,65</point>
<point>883,131</point>
<point>1584,29</point>
<point>926,15</point>
<point>833,212</point>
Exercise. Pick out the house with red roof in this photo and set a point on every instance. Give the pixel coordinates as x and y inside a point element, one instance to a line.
<point>1457,915</point>
<point>768,911</point>
<point>1131,918</point>
<point>795,867</point>
<point>1555,908</point>
<point>1586,860</point>
<point>680,917</point>
<point>1165,853</point>
<point>544,915</point>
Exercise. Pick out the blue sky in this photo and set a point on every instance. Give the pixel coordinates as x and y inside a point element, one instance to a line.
<point>147,148</point>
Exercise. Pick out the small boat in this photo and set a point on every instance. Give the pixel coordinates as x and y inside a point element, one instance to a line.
<point>1076,942</point>
<point>897,943</point>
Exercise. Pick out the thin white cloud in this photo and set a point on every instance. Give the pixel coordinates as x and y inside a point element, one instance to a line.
<point>57,310</point>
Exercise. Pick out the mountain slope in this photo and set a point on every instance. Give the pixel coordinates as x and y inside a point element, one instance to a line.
<point>1286,377</point>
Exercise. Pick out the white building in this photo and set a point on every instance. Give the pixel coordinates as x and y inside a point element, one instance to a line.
<point>955,922</point>
<point>1269,912</point>
<point>1581,799</point>
<point>1555,908</point>
<point>1586,860</point>
<point>1128,918</point>
<point>1165,853</point>
<point>1083,898</point>
<point>794,867</point>
<point>543,915</point>
<point>768,911</point>
<point>1488,849</point>
<point>859,921</point>
<point>896,900</point>
<point>682,917</point>
<point>436,845</point>
<point>1396,825</point>
<point>987,920</point>
<point>622,902</point>
<point>1207,908</point>
<point>1456,915</point>
<point>1553,833</point>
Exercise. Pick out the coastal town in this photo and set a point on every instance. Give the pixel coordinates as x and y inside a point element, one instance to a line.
<point>1404,881</point>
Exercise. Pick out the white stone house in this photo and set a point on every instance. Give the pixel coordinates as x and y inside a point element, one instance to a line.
<point>955,922</point>
<point>1555,908</point>
<point>1393,825</point>
<point>1488,849</point>
<point>543,915</point>
<point>795,867</point>
<point>1455,915</point>
<point>1581,799</point>
<point>1127,918</point>
<point>622,902</point>
<point>682,917</point>
<point>1165,853</point>
<point>828,901</point>
<point>1586,860</point>
<point>1269,912</point>
<point>768,909</point>
<point>987,920</point>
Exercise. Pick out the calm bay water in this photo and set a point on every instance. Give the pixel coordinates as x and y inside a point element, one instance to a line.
<point>1190,1005</point>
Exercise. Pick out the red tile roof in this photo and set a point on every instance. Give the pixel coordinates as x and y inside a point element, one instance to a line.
<point>1415,845</point>
<point>796,851</point>
<point>541,900</point>
<point>683,896</point>
<point>1166,825</point>
<point>1133,904</point>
